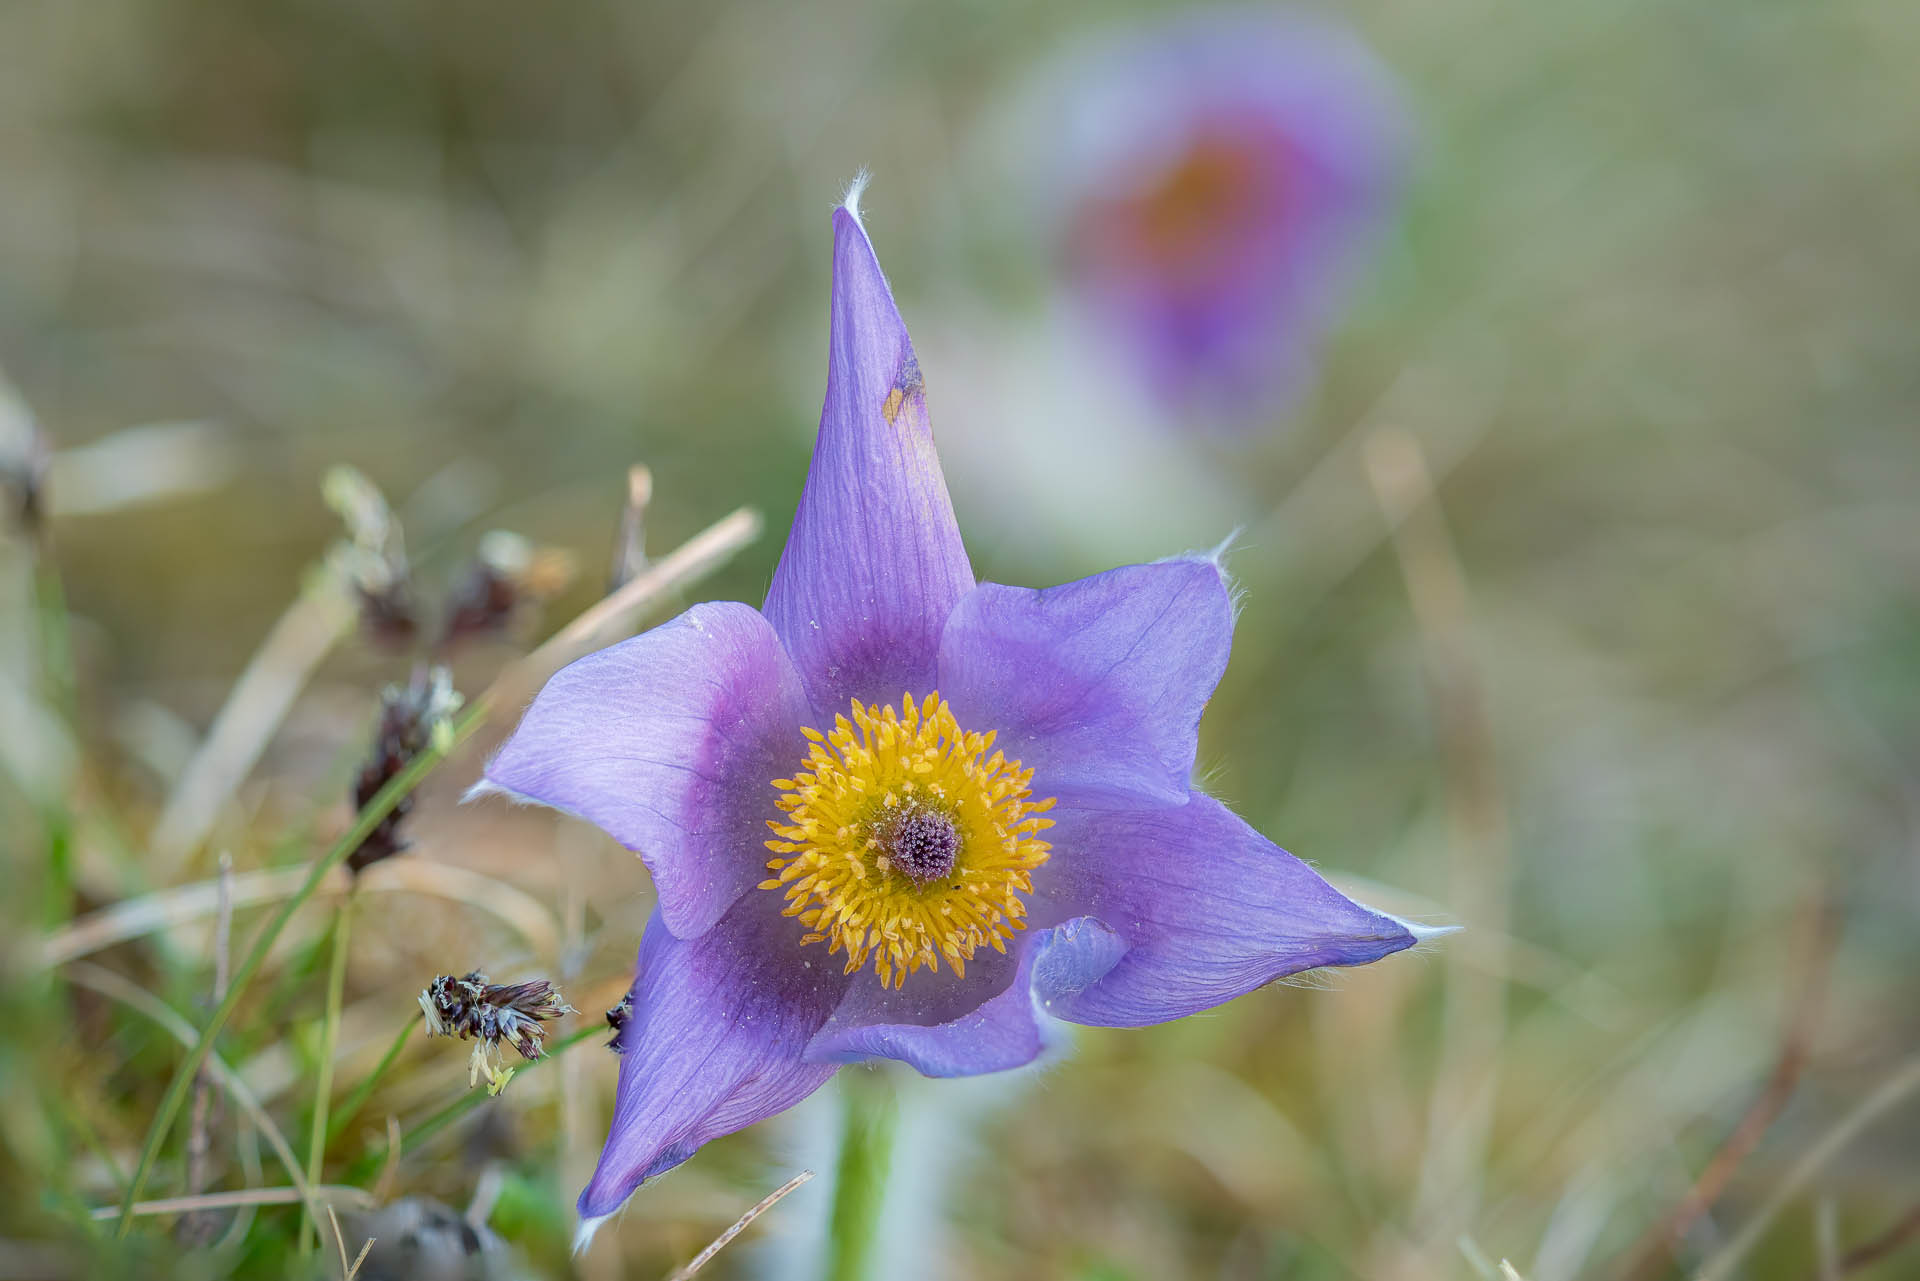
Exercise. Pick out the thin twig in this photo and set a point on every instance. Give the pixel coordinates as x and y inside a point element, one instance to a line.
<point>316,621</point>
<point>630,546</point>
<point>616,614</point>
<point>383,1186</point>
<point>137,998</point>
<point>1657,1247</point>
<point>376,809</point>
<point>1826,1240</point>
<point>1460,1112</point>
<point>463,1103</point>
<point>351,1106</point>
<point>162,910</point>
<point>195,1228</point>
<point>330,1194</point>
<point>366,1248</point>
<point>338,1238</point>
<point>348,1268</point>
<point>1892,1091</point>
<point>329,1038</point>
<point>740,1225</point>
<point>1870,1252</point>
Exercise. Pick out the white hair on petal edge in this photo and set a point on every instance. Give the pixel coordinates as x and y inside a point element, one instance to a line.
<point>583,1235</point>
<point>856,189</point>
<point>1421,933</point>
<point>1216,556</point>
<point>487,787</point>
<point>1236,594</point>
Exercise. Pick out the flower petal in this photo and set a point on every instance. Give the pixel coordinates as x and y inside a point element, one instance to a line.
<point>1096,685</point>
<point>987,1022</point>
<point>668,741</point>
<point>1208,907</point>
<point>719,1026</point>
<point>874,563</point>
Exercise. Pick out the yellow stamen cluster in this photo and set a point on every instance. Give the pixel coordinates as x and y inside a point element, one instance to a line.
<point>838,867</point>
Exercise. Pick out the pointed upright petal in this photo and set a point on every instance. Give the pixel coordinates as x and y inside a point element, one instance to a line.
<point>989,1021</point>
<point>874,563</point>
<point>668,742</point>
<point>1209,909</point>
<point>1095,685</point>
<point>719,1027</point>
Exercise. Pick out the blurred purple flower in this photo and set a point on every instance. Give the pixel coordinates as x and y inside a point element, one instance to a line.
<point>1217,175</point>
<point>991,827</point>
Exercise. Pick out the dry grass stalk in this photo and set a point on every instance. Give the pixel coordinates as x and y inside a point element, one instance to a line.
<point>329,1194</point>
<point>1872,1251</point>
<point>137,998</point>
<point>615,616</point>
<point>630,547</point>
<point>162,910</point>
<point>348,1269</point>
<point>740,1225</point>
<point>199,1228</point>
<point>316,621</point>
<point>1460,1115</point>
<point>1904,1081</point>
<point>1656,1250</point>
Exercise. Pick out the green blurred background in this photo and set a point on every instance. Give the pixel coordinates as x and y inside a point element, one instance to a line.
<point>1648,319</point>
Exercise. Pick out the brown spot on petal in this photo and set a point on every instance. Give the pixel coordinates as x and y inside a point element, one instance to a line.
<point>908,382</point>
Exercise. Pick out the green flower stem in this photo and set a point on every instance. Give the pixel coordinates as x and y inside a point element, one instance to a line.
<point>323,1083</point>
<point>465,1103</point>
<point>56,657</point>
<point>860,1183</point>
<point>363,1091</point>
<point>376,809</point>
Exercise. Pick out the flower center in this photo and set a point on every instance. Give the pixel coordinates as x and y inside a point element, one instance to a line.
<point>921,844</point>
<point>1191,225</point>
<point>905,841</point>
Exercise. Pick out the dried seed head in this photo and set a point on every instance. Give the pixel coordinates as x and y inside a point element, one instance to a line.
<point>411,717</point>
<point>506,579</point>
<point>24,460</point>
<point>630,548</point>
<point>372,559</point>
<point>474,1010</point>
<point>617,1018</point>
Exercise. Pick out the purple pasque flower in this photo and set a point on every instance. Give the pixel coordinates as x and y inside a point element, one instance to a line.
<point>896,813</point>
<point>1216,176</point>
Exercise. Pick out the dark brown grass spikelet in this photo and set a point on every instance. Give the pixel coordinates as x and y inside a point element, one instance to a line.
<point>372,559</point>
<point>507,578</point>
<point>410,716</point>
<point>473,1009</point>
<point>23,480</point>
<point>617,1018</point>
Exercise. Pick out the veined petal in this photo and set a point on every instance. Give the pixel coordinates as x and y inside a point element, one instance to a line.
<point>1096,685</point>
<point>989,1021</point>
<point>720,1023</point>
<point>1209,909</point>
<point>668,741</point>
<point>874,563</point>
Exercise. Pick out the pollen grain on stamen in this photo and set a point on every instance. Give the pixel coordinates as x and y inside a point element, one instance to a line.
<point>907,840</point>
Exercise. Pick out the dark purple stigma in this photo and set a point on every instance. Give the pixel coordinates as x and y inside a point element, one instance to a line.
<point>921,845</point>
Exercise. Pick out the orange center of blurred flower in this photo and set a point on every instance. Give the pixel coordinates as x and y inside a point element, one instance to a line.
<point>1184,225</point>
